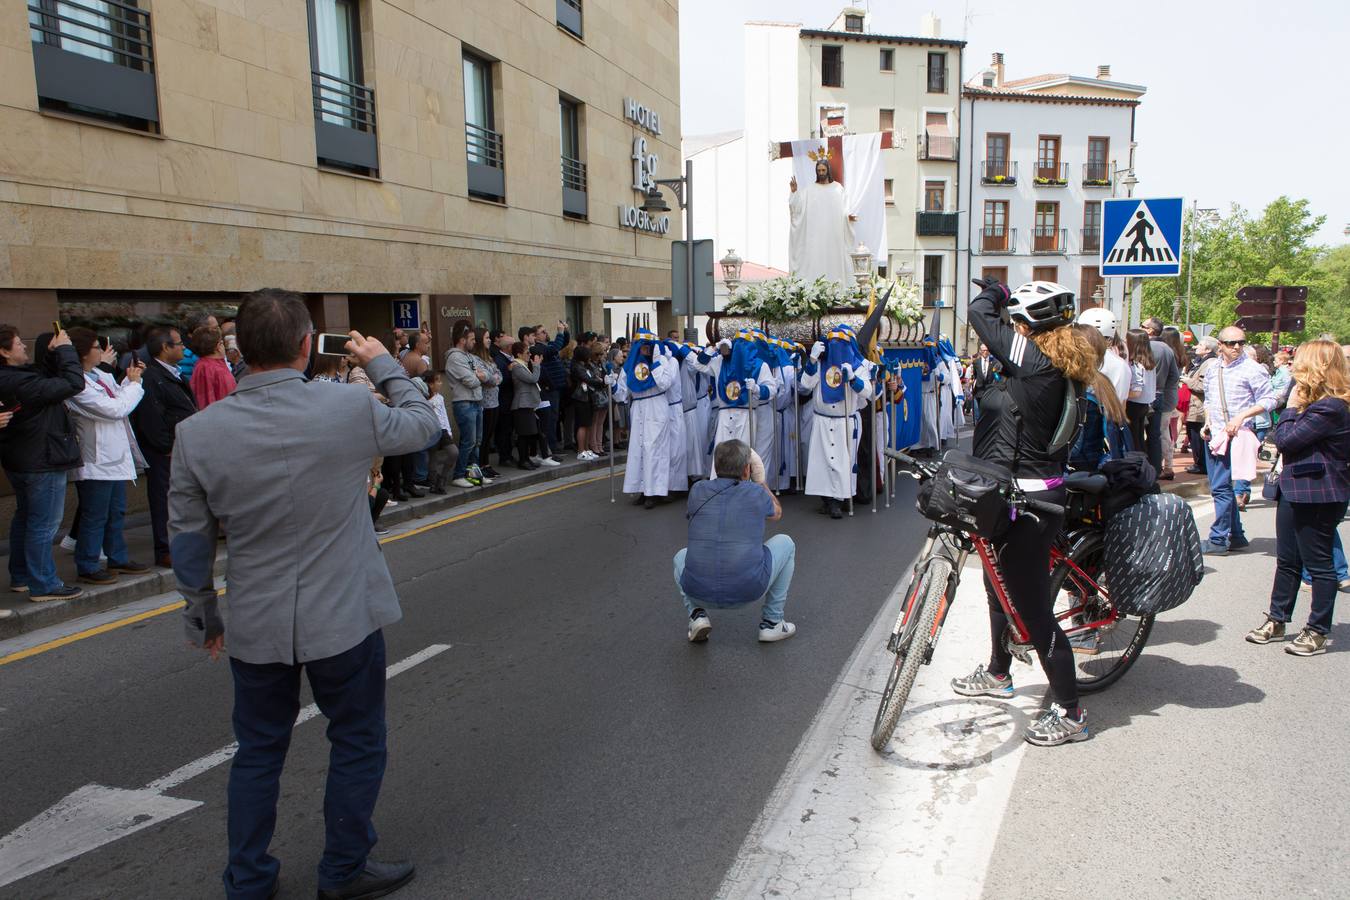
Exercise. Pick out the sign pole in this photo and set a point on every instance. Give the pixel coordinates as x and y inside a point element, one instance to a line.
<point>1279,311</point>
<point>612,448</point>
<point>872,455</point>
<point>689,241</point>
<point>852,451</point>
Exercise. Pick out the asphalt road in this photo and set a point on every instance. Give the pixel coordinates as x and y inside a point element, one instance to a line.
<point>571,743</point>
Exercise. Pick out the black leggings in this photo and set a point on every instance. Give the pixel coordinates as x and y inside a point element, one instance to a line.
<point>1024,557</point>
<point>1137,414</point>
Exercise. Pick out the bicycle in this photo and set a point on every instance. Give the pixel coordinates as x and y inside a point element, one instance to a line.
<point>1106,642</point>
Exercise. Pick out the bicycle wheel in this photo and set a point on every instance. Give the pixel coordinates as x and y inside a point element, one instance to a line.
<point>911,648</point>
<point>1103,654</point>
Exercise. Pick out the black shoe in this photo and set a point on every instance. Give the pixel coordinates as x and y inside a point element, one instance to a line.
<point>836,510</point>
<point>491,472</point>
<point>130,567</point>
<point>376,880</point>
<point>415,494</point>
<point>64,592</point>
<point>648,502</point>
<point>102,576</point>
<point>381,531</point>
<point>400,497</point>
<point>639,500</point>
<point>439,490</point>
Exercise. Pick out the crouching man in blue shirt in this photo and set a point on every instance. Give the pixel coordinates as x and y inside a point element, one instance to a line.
<point>727,562</point>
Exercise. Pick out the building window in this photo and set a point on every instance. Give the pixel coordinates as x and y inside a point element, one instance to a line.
<point>1045,273</point>
<point>934,196</point>
<point>487,311</point>
<point>994,235</point>
<point>344,108</point>
<point>1047,156</point>
<point>95,58</point>
<point>938,142</point>
<point>832,66</point>
<point>1046,235</point>
<point>569,16</point>
<point>573,169</point>
<point>887,59</point>
<point>889,185</point>
<point>1092,226</point>
<point>937,73</point>
<point>574,314</point>
<point>853,23</point>
<point>932,280</point>
<point>483,143</point>
<point>1088,280</point>
<point>999,272</point>
<point>996,156</point>
<point>1098,160</point>
<point>886,120</point>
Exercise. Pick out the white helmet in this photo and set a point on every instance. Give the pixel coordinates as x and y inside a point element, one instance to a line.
<point>1101,319</point>
<point>1042,305</point>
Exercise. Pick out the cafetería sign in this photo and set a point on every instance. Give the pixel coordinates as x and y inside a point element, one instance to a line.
<point>644,169</point>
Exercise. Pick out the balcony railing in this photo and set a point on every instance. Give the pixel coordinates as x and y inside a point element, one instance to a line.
<point>574,187</point>
<point>936,224</point>
<point>1049,240</point>
<point>344,123</point>
<point>937,295</point>
<point>1052,174</point>
<point>95,60</point>
<point>998,239</point>
<point>1096,174</point>
<point>569,16</point>
<point>937,80</point>
<point>998,171</point>
<point>938,146</point>
<point>487,177</point>
<point>1092,240</point>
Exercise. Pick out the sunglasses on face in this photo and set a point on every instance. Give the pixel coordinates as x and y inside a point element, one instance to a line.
<point>1232,343</point>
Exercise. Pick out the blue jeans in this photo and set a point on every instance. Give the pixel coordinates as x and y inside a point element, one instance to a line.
<point>1337,560</point>
<point>1227,527</point>
<point>1242,485</point>
<point>784,554</point>
<point>103,505</point>
<point>468,416</point>
<point>349,689</point>
<point>39,501</point>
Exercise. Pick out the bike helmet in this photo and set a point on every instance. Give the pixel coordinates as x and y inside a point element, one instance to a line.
<point>1042,305</point>
<point>1101,319</point>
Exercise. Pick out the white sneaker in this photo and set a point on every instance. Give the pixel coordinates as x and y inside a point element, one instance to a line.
<point>462,482</point>
<point>68,543</point>
<point>391,503</point>
<point>780,632</point>
<point>536,460</point>
<point>699,628</point>
<point>550,462</point>
<point>584,456</point>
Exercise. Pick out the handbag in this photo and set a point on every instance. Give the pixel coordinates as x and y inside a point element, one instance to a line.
<point>967,493</point>
<point>1270,485</point>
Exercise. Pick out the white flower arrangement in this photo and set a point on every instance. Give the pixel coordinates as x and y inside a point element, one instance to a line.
<point>788,297</point>
<point>905,305</point>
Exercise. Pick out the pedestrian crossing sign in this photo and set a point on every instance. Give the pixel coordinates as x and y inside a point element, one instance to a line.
<point>1141,237</point>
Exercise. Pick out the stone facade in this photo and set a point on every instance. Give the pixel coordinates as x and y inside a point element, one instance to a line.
<point>228,196</point>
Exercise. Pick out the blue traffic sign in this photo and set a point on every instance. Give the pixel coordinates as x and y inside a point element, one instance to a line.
<point>406,314</point>
<point>1141,236</point>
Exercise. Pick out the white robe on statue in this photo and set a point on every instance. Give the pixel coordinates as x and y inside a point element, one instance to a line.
<point>835,434</point>
<point>821,238</point>
<point>647,471</point>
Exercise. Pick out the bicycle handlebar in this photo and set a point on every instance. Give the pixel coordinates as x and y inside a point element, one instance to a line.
<point>925,469</point>
<point>1053,509</point>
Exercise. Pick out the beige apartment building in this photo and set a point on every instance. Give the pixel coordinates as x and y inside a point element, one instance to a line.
<point>458,158</point>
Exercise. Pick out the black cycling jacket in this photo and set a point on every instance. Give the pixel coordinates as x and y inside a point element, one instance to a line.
<point>1030,380</point>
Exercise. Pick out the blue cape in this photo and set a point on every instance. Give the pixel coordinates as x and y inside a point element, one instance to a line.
<point>743,364</point>
<point>644,381</point>
<point>840,347</point>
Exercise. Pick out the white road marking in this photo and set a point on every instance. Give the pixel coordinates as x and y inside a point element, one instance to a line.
<point>96,815</point>
<point>919,821</point>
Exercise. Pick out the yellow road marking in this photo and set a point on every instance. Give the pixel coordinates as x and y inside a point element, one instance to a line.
<point>179,604</point>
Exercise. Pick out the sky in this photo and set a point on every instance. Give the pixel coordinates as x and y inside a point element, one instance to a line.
<point>1246,101</point>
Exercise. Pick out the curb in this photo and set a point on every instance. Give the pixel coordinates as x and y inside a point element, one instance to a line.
<point>30,616</point>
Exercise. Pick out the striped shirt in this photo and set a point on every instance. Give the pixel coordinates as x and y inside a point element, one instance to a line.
<point>1245,383</point>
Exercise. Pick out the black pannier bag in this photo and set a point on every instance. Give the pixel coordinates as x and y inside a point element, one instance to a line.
<point>967,493</point>
<point>1152,555</point>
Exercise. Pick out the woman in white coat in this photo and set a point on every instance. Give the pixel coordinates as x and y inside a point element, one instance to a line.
<point>644,382</point>
<point>111,458</point>
<point>841,384</point>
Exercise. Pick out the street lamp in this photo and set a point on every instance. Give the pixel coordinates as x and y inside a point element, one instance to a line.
<point>1209,216</point>
<point>731,271</point>
<point>653,203</point>
<point>862,265</point>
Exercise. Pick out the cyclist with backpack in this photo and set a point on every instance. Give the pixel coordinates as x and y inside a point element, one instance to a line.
<point>1028,421</point>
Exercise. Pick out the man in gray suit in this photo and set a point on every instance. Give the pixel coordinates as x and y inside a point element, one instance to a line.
<point>281,464</point>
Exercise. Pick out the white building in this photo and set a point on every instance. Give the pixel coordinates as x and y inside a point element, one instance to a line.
<point>803,83</point>
<point>1038,156</point>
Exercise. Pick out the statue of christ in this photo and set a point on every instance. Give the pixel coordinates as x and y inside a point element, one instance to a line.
<point>822,232</point>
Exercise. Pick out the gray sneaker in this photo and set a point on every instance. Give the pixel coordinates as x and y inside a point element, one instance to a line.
<point>1308,643</point>
<point>1054,727</point>
<point>982,683</point>
<point>1266,632</point>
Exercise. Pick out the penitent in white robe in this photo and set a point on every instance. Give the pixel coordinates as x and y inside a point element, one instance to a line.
<point>821,237</point>
<point>647,471</point>
<point>835,433</point>
<point>694,392</point>
<point>733,423</point>
<point>679,466</point>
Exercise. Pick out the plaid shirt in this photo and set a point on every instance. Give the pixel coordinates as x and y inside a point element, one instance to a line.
<point>1245,383</point>
<point>1315,444</point>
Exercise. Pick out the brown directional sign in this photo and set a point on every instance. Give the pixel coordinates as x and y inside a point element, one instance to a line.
<point>1266,293</point>
<point>1269,324</point>
<point>1263,308</point>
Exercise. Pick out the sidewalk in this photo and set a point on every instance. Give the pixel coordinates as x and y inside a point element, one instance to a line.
<point>19,615</point>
